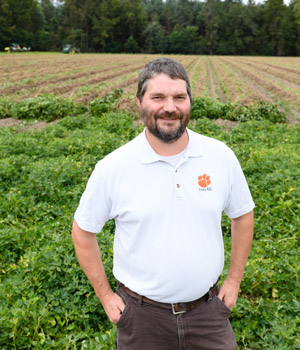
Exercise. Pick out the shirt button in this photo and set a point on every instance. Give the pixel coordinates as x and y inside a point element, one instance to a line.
<point>178,185</point>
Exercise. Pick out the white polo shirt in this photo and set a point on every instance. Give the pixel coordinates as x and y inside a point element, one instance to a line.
<point>168,243</point>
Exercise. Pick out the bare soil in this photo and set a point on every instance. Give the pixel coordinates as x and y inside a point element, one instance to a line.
<point>215,81</point>
<point>20,127</point>
<point>8,122</point>
<point>226,124</point>
<point>213,90</point>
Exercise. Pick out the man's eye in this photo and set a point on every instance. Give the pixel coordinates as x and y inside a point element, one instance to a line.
<point>156,98</point>
<point>180,98</point>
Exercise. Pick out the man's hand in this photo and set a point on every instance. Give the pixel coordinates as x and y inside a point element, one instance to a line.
<point>242,234</point>
<point>228,292</point>
<point>113,306</point>
<point>89,257</point>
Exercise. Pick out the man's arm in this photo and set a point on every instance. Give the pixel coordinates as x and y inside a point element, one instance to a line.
<point>242,235</point>
<point>89,257</point>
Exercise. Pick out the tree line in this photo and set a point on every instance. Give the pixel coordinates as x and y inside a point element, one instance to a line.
<point>227,27</point>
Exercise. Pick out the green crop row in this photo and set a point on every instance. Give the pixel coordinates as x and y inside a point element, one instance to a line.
<point>46,301</point>
<point>51,107</point>
<point>260,110</point>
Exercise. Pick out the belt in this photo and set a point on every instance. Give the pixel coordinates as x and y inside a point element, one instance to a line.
<point>177,308</point>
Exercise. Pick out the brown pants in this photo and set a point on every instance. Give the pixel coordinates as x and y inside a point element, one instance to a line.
<point>146,327</point>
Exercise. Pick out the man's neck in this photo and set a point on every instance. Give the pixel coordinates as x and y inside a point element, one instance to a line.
<point>167,149</point>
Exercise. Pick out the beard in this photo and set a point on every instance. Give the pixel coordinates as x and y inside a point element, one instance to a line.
<point>166,136</point>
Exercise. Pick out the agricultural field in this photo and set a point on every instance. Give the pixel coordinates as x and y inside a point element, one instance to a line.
<point>60,114</point>
<point>85,77</point>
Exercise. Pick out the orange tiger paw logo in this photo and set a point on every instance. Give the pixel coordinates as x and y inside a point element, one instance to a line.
<point>204,181</point>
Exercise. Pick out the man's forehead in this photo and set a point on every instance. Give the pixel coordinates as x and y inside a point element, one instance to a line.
<point>163,81</point>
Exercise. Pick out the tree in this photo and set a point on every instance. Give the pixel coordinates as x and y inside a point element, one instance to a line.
<point>78,24</point>
<point>295,13</point>
<point>115,21</point>
<point>184,15</point>
<point>211,16</point>
<point>131,46</point>
<point>105,18</point>
<point>7,25</point>
<point>238,30</point>
<point>154,9</point>
<point>273,30</point>
<point>17,21</point>
<point>42,40</point>
<point>168,20</point>
<point>52,27</point>
<point>156,26</point>
<point>177,41</point>
<point>192,40</point>
<point>133,21</point>
<point>155,38</point>
<point>296,10</point>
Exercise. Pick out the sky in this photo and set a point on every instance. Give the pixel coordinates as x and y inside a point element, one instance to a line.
<point>262,1</point>
<point>56,2</point>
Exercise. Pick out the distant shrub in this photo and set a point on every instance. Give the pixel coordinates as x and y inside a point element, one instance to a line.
<point>5,107</point>
<point>261,110</point>
<point>45,107</point>
<point>41,107</point>
<point>105,104</point>
<point>209,108</point>
<point>50,107</point>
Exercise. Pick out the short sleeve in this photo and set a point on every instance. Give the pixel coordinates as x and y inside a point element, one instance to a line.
<point>94,207</point>
<point>239,201</point>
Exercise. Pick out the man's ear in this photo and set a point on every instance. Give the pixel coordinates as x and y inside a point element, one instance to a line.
<point>138,102</point>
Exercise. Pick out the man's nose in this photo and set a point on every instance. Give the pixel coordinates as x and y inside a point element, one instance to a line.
<point>169,105</point>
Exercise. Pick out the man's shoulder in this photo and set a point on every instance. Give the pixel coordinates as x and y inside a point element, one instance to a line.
<point>208,144</point>
<point>122,154</point>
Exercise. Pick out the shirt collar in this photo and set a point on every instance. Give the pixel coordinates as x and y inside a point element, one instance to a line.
<point>195,145</point>
<point>148,155</point>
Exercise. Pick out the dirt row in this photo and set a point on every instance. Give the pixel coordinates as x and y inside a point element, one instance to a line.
<point>212,86</point>
<point>263,88</point>
<point>73,77</point>
<point>195,76</point>
<point>225,74</point>
<point>202,86</point>
<point>116,66</point>
<point>234,89</point>
<point>285,64</point>
<point>58,72</point>
<point>217,80</point>
<point>71,88</point>
<point>270,83</point>
<point>260,93</point>
<point>57,63</point>
<point>289,78</point>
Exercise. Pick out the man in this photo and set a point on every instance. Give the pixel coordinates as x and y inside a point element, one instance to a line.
<point>166,191</point>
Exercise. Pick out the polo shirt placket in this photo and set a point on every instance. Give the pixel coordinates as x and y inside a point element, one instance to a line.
<point>178,181</point>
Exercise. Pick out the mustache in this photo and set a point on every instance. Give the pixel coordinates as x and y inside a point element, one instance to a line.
<point>168,115</point>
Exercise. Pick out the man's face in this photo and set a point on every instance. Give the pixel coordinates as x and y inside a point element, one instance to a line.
<point>166,107</point>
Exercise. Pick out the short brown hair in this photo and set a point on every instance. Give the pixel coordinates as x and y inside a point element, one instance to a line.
<point>168,66</point>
